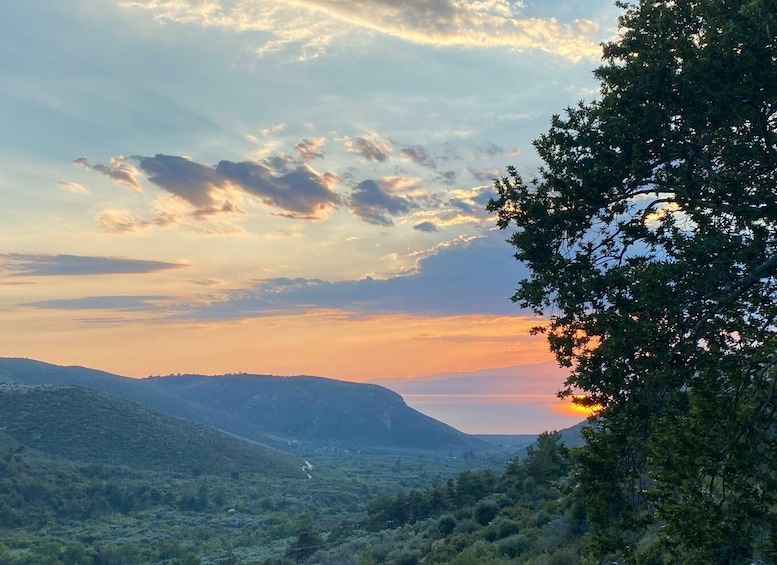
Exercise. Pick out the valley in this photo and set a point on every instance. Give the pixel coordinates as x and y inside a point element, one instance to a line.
<point>90,476</point>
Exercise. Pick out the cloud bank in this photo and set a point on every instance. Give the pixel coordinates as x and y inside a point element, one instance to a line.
<point>455,278</point>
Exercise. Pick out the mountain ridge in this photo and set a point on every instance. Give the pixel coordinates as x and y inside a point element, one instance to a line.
<point>275,411</point>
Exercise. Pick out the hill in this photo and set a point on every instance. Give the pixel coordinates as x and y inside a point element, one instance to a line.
<point>277,411</point>
<point>79,424</point>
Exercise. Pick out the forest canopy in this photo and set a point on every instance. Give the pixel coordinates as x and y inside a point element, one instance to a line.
<point>650,234</point>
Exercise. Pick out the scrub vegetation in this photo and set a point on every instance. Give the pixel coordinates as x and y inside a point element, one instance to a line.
<point>59,511</point>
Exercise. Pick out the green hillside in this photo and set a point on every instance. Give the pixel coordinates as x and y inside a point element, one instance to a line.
<point>75,423</point>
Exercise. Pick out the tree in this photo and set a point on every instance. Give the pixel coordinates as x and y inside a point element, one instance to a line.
<point>650,235</point>
<point>547,460</point>
<point>307,540</point>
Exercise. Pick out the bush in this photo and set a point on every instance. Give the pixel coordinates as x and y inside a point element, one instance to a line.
<point>513,546</point>
<point>446,524</point>
<point>485,511</point>
<point>501,528</point>
<point>563,559</point>
<point>466,526</point>
<point>406,557</point>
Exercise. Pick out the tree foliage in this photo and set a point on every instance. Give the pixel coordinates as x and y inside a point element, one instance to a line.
<point>651,239</point>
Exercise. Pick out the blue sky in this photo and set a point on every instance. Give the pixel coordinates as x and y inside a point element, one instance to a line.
<point>275,187</point>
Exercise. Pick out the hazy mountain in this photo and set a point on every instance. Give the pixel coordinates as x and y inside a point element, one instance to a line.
<point>80,424</point>
<point>489,401</point>
<point>271,410</point>
<point>518,379</point>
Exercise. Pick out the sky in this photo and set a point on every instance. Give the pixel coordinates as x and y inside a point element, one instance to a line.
<point>291,187</point>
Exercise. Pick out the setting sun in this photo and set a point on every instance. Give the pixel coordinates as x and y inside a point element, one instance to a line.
<point>577,404</point>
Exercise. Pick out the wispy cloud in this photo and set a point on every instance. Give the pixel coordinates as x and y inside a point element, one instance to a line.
<point>492,149</point>
<point>118,303</point>
<point>310,149</point>
<point>273,129</point>
<point>73,187</point>
<point>28,265</point>
<point>122,221</point>
<point>371,147</point>
<point>311,26</point>
<point>418,154</point>
<point>487,176</point>
<point>117,169</point>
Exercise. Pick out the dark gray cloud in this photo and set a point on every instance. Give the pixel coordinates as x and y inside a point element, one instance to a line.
<point>310,148</point>
<point>425,227</point>
<point>418,154</point>
<point>476,277</point>
<point>118,303</point>
<point>26,265</point>
<point>117,169</point>
<point>195,183</point>
<point>370,147</point>
<point>300,193</point>
<point>374,202</point>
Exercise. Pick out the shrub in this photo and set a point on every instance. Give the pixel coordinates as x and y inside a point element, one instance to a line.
<point>563,559</point>
<point>406,557</point>
<point>485,511</point>
<point>466,526</point>
<point>504,527</point>
<point>446,524</point>
<point>513,546</point>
